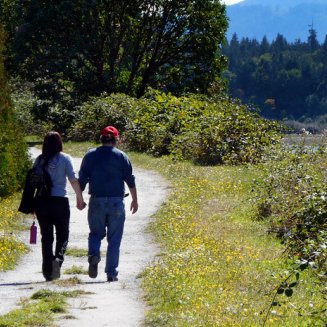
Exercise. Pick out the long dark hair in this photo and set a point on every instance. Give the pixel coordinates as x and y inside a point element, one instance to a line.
<point>52,144</point>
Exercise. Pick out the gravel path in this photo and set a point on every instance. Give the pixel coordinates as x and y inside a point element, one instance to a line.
<point>111,304</point>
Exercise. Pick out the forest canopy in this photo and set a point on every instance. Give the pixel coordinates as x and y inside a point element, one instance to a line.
<point>286,80</point>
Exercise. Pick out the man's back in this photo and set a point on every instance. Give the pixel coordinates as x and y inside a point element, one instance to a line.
<point>106,168</point>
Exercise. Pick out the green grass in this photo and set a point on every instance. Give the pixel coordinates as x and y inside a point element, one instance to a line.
<point>219,266</point>
<point>72,281</point>
<point>39,309</point>
<point>78,149</point>
<point>76,252</point>
<point>76,270</point>
<point>11,223</point>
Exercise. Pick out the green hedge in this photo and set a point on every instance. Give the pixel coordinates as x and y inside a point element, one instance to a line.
<point>193,127</point>
<point>99,112</point>
<point>13,150</point>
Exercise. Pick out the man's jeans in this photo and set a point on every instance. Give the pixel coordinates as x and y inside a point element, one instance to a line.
<point>106,216</point>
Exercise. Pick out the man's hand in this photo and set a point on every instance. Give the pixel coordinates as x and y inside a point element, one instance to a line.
<point>134,206</point>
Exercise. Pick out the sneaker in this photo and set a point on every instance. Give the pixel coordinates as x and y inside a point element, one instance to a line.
<point>93,266</point>
<point>55,274</point>
<point>112,279</point>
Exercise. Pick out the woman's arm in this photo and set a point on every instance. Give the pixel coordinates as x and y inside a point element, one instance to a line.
<point>79,196</point>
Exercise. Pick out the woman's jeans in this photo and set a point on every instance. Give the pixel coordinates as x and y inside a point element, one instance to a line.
<point>106,217</point>
<point>53,213</point>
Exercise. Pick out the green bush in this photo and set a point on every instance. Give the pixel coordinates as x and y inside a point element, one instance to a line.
<point>99,112</point>
<point>193,127</point>
<point>225,132</point>
<point>13,151</point>
<point>206,131</point>
<point>292,195</point>
<point>24,103</point>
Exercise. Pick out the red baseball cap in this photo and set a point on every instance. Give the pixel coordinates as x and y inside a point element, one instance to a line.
<point>110,130</point>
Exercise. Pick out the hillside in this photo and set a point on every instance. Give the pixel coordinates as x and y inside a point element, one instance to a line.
<point>291,18</point>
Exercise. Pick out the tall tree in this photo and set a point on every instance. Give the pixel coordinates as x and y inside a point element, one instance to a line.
<point>312,39</point>
<point>80,48</point>
<point>264,45</point>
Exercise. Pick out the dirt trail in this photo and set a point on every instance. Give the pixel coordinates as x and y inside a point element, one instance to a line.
<point>111,304</point>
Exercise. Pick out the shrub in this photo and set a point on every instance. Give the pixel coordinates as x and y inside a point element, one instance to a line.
<point>190,127</point>
<point>206,131</point>
<point>225,132</point>
<point>99,112</point>
<point>293,197</point>
<point>13,151</point>
<point>24,103</point>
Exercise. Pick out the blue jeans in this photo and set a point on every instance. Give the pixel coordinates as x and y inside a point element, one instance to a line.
<point>106,217</point>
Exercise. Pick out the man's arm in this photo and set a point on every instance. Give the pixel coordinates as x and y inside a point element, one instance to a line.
<point>134,204</point>
<point>83,174</point>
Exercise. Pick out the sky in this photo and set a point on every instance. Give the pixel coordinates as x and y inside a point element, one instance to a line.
<point>231,2</point>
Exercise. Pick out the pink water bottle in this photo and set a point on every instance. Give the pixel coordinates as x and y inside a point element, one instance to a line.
<point>33,233</point>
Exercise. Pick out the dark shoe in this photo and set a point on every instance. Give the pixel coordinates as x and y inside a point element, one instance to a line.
<point>55,270</point>
<point>93,266</point>
<point>112,279</point>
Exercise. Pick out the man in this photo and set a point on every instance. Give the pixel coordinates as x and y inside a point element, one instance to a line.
<point>106,169</point>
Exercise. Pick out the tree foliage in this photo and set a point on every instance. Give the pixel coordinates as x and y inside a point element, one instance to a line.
<point>72,50</point>
<point>13,152</point>
<point>286,80</point>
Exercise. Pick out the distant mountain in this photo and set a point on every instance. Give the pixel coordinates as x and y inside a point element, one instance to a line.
<point>291,18</point>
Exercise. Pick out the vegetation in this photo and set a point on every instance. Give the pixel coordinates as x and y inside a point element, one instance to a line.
<point>292,197</point>
<point>11,223</point>
<point>219,267</point>
<point>71,51</point>
<point>13,154</point>
<point>40,309</point>
<point>76,252</point>
<point>190,127</point>
<point>13,165</point>
<point>69,282</point>
<point>89,64</point>
<point>76,270</point>
<point>286,80</point>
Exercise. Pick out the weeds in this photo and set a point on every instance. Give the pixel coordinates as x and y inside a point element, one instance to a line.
<point>76,270</point>
<point>11,222</point>
<point>39,309</point>
<point>73,281</point>
<point>219,267</point>
<point>76,252</point>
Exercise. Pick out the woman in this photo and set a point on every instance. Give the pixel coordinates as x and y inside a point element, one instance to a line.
<point>53,212</point>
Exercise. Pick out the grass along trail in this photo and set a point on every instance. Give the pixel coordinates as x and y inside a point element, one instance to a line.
<point>220,267</point>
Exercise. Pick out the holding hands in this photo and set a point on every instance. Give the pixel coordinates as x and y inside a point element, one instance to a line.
<point>80,204</point>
